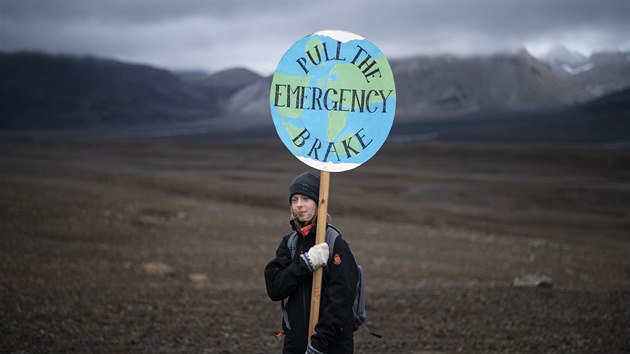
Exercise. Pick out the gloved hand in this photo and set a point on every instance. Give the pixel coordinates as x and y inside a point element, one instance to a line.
<point>311,350</point>
<point>316,257</point>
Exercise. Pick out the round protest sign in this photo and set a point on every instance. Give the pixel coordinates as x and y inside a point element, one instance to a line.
<point>333,100</point>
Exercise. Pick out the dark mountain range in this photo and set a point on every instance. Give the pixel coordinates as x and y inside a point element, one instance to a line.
<point>41,91</point>
<point>617,102</point>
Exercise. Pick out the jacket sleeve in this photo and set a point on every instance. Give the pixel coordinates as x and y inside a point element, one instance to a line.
<point>341,291</point>
<point>283,275</point>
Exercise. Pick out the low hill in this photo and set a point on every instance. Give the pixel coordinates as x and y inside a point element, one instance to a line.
<point>219,87</point>
<point>603,121</point>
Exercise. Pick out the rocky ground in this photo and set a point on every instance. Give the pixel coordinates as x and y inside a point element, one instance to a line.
<point>159,246</point>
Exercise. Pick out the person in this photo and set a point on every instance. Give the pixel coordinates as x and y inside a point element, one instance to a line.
<point>290,279</point>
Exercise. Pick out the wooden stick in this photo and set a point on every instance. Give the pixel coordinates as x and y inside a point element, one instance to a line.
<point>320,237</point>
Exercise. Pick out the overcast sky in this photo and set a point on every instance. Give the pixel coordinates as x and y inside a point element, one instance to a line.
<point>215,35</point>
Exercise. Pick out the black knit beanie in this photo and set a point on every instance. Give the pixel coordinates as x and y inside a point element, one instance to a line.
<point>306,184</point>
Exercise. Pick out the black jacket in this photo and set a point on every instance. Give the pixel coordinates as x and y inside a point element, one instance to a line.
<point>286,277</point>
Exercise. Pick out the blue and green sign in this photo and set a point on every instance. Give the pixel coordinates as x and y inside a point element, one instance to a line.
<point>333,100</point>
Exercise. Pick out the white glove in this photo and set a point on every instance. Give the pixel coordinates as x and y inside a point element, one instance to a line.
<point>316,257</point>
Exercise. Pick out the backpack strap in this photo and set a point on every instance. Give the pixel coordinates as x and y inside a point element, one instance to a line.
<point>331,237</point>
<point>292,243</point>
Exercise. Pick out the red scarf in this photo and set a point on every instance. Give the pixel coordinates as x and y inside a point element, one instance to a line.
<point>306,229</point>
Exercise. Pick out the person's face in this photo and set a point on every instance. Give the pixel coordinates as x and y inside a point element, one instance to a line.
<point>303,207</point>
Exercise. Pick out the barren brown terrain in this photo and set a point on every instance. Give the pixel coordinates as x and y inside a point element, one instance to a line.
<point>159,246</point>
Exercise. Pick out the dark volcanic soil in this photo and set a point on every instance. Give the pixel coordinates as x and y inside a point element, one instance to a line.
<point>159,246</point>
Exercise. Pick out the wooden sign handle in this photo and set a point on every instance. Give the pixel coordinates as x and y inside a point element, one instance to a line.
<point>320,237</point>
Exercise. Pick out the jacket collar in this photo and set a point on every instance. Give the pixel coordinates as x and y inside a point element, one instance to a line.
<point>304,231</point>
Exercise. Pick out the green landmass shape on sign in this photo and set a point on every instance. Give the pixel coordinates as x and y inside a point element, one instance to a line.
<point>336,122</point>
<point>293,81</point>
<point>348,75</point>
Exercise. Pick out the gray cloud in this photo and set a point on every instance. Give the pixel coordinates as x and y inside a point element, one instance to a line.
<point>214,35</point>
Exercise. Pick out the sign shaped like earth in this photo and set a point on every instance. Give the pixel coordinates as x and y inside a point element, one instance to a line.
<point>333,100</point>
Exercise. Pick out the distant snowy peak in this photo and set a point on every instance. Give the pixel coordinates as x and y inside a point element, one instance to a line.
<point>559,54</point>
<point>564,62</point>
<point>578,70</point>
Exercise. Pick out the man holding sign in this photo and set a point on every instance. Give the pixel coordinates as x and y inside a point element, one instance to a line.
<point>290,276</point>
<point>332,101</point>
